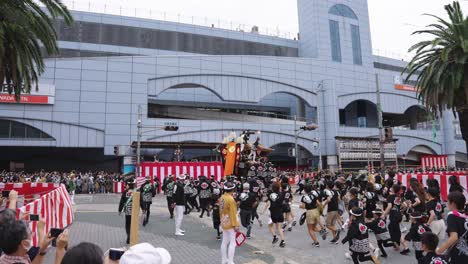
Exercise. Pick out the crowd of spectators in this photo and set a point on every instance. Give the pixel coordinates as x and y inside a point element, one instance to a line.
<point>77,181</point>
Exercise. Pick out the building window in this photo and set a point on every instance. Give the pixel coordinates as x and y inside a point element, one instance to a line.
<point>342,10</point>
<point>335,41</point>
<point>12,129</point>
<point>356,44</point>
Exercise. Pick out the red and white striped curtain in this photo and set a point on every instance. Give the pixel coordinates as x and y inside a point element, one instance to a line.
<point>434,161</point>
<point>161,170</point>
<point>55,207</point>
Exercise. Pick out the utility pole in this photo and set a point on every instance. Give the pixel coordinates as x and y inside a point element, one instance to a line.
<point>137,168</point>
<point>319,90</point>
<point>295,143</point>
<point>381,132</point>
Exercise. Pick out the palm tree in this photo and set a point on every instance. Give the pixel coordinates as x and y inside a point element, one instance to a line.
<point>441,64</point>
<point>24,28</point>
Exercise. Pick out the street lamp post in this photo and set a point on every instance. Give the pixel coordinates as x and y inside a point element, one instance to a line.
<point>295,143</point>
<point>138,142</point>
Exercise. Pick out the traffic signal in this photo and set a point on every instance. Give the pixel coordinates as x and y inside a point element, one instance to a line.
<point>171,128</point>
<point>116,150</point>
<point>388,133</point>
<point>309,127</point>
<point>291,152</point>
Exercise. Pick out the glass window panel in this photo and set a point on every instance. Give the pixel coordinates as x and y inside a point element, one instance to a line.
<point>18,130</point>
<point>342,10</point>
<point>31,132</point>
<point>4,129</point>
<point>356,44</point>
<point>335,41</point>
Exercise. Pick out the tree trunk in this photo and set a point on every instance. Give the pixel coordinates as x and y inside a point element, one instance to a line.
<point>463,119</point>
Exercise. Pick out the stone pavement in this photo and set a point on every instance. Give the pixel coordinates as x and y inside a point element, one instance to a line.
<point>97,221</point>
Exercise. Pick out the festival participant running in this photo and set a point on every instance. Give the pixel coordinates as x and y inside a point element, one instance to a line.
<point>288,197</point>
<point>417,229</point>
<point>393,209</point>
<point>126,205</point>
<point>435,210</point>
<point>168,187</point>
<point>370,200</point>
<point>332,211</point>
<point>247,200</point>
<point>215,200</point>
<point>379,227</point>
<point>309,202</point>
<point>229,223</point>
<point>457,230</point>
<point>147,193</point>
<point>204,195</point>
<point>429,242</point>
<point>257,190</point>
<point>358,238</point>
<point>275,204</point>
<point>179,204</point>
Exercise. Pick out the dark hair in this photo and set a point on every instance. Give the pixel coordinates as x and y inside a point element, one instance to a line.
<point>370,187</point>
<point>353,191</point>
<point>419,190</point>
<point>431,240</point>
<point>275,187</point>
<point>330,184</point>
<point>84,253</point>
<point>12,235</point>
<point>434,192</point>
<point>396,188</point>
<point>453,180</point>
<point>458,199</point>
<point>432,183</point>
<point>308,188</point>
<point>378,179</point>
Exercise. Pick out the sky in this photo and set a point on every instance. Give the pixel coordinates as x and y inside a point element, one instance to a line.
<point>392,21</point>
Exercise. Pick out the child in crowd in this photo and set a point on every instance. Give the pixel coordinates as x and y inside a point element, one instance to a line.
<point>358,238</point>
<point>379,227</point>
<point>429,242</point>
<point>418,228</point>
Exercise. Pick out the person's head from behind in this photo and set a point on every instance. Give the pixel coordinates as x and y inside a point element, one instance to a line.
<point>396,189</point>
<point>353,193</point>
<point>429,242</point>
<point>308,188</point>
<point>229,187</point>
<point>15,238</point>
<point>453,180</point>
<point>456,201</point>
<point>356,213</point>
<point>275,187</point>
<point>433,193</point>
<point>84,253</point>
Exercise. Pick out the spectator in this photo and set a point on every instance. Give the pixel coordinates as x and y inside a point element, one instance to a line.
<point>145,253</point>
<point>84,253</point>
<point>16,242</point>
<point>455,185</point>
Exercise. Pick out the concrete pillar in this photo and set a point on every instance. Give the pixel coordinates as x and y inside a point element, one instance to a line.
<point>449,137</point>
<point>413,118</point>
<point>329,120</point>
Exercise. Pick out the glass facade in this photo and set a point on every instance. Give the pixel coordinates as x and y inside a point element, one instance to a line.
<point>343,10</point>
<point>335,40</point>
<point>119,35</point>
<point>356,45</point>
<point>12,129</point>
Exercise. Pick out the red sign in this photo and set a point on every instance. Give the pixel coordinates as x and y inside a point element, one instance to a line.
<point>405,87</point>
<point>25,99</point>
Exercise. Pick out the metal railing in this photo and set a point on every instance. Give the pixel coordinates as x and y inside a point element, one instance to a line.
<point>110,9</point>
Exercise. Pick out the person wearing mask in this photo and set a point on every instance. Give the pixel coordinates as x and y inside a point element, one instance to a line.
<point>435,210</point>
<point>126,205</point>
<point>146,199</point>
<point>457,230</point>
<point>179,204</point>
<point>229,223</point>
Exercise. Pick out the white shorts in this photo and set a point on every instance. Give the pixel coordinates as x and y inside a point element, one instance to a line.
<point>438,227</point>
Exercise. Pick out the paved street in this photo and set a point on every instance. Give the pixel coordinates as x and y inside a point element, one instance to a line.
<point>97,221</point>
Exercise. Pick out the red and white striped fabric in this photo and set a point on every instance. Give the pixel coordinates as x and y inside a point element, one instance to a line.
<point>119,187</point>
<point>163,169</point>
<point>55,207</point>
<point>442,178</point>
<point>434,161</point>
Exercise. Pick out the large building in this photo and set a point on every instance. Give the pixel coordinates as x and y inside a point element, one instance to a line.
<point>209,81</point>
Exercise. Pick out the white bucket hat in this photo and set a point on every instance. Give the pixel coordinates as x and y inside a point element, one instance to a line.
<point>145,253</point>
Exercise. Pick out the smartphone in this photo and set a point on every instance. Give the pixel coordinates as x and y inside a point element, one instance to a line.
<point>34,217</point>
<point>115,253</point>
<point>55,232</point>
<point>5,194</point>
